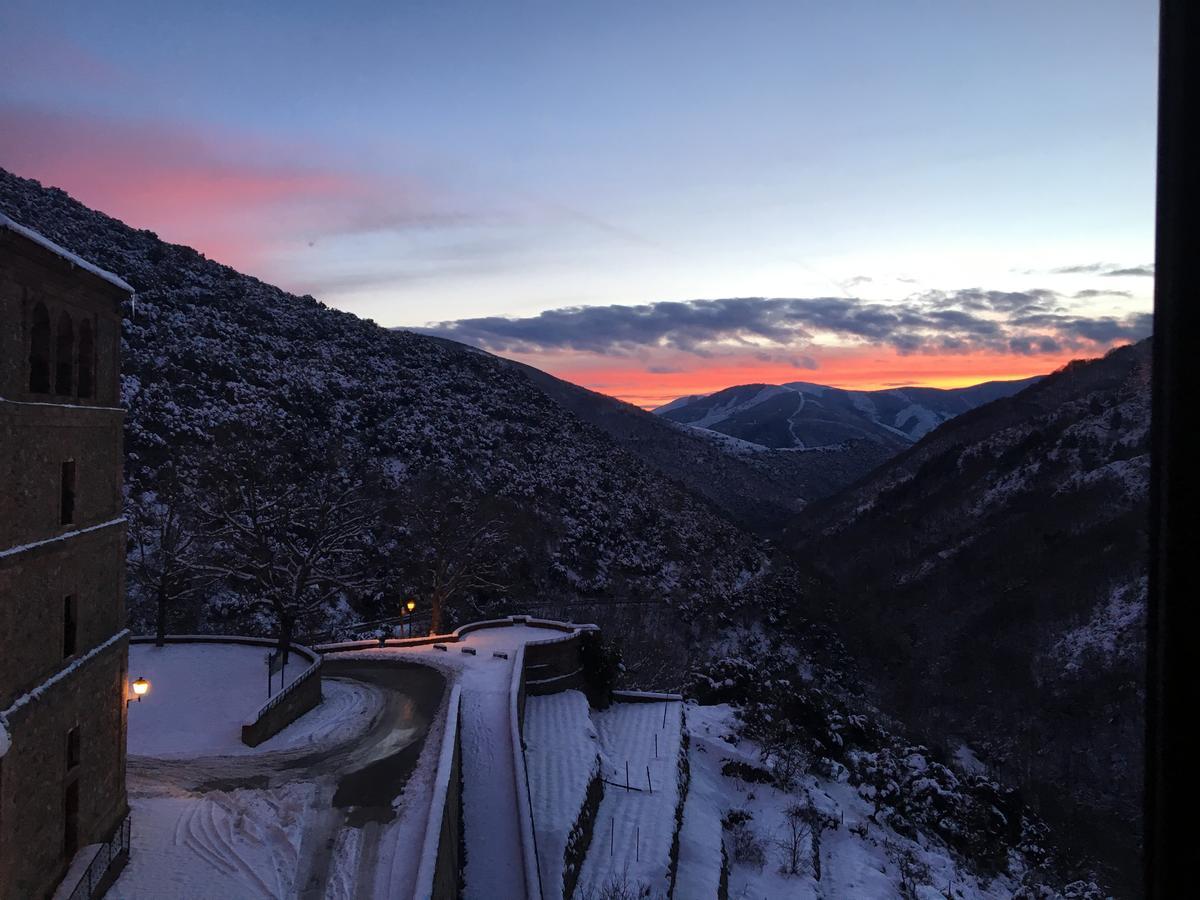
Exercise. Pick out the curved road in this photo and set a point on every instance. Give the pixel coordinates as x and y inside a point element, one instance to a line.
<point>357,780</point>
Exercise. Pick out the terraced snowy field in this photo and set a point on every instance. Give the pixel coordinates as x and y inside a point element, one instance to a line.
<point>635,827</point>
<point>562,752</point>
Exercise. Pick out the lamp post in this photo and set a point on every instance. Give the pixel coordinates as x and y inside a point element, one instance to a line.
<point>410,606</point>
<point>138,688</point>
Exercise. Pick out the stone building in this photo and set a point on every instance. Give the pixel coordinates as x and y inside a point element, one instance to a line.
<point>63,642</point>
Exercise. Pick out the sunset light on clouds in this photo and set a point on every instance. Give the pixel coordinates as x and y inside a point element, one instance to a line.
<point>954,195</point>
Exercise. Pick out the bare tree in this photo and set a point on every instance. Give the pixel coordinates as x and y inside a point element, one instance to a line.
<point>292,549</point>
<point>454,546</point>
<point>164,558</point>
<point>796,830</point>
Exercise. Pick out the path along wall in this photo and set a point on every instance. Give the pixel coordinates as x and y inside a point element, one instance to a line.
<point>539,667</point>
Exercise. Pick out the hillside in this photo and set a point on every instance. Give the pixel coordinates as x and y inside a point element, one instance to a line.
<point>255,411</point>
<point>219,366</point>
<point>758,488</point>
<point>993,583</point>
<point>803,415</point>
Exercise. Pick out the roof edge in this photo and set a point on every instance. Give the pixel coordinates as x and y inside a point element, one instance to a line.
<point>74,259</point>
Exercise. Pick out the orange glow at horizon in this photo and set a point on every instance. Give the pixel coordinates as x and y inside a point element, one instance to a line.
<point>863,370</point>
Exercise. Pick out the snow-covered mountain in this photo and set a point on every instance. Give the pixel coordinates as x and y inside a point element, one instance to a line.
<point>995,585</point>
<point>757,487</point>
<point>803,415</point>
<point>605,511</point>
<point>216,363</point>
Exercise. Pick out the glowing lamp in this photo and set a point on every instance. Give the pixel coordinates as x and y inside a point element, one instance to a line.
<point>411,604</point>
<point>140,687</point>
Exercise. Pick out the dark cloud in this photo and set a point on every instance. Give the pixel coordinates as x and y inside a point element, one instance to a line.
<point>779,329</point>
<point>1107,270</point>
<point>1091,294</point>
<point>1132,271</point>
<point>1084,269</point>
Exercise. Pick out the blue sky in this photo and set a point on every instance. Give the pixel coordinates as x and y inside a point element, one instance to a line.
<point>434,162</point>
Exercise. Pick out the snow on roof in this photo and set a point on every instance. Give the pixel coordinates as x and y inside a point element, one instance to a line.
<point>6,222</point>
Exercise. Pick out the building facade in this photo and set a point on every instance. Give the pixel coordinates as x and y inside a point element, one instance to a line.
<point>63,642</point>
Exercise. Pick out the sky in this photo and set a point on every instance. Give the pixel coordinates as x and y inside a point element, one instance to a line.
<point>651,199</point>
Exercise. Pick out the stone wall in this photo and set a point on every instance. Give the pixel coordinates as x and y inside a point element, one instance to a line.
<point>35,441</point>
<point>50,551</point>
<point>443,849</point>
<point>34,774</point>
<point>33,583</point>
<point>305,694</point>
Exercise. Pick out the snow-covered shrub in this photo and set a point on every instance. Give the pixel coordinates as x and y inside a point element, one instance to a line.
<point>748,845</point>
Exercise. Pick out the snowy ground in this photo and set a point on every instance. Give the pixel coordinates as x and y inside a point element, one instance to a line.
<point>225,820</point>
<point>635,827</point>
<point>200,695</point>
<point>562,751</point>
<point>214,818</point>
<point>858,858</point>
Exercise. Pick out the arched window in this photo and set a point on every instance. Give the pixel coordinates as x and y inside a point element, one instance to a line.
<point>39,351</point>
<point>87,359</point>
<point>64,356</point>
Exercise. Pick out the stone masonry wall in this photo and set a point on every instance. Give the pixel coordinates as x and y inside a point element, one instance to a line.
<point>32,587</point>
<point>34,443</point>
<point>303,698</point>
<point>34,774</point>
<point>447,877</point>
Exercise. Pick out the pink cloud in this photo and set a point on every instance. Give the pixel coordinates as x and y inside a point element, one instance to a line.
<point>217,193</point>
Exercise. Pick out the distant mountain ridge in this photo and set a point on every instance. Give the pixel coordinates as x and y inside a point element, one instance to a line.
<point>802,415</point>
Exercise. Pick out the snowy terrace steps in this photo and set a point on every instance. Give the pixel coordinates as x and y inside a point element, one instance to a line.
<point>635,838</point>
<point>563,761</point>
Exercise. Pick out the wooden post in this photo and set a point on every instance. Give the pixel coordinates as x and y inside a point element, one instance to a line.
<point>648,783</point>
<point>612,830</point>
<point>656,745</point>
<point>637,844</point>
<point>626,774</point>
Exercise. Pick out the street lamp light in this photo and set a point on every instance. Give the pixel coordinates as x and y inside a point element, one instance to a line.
<point>139,687</point>
<point>410,606</point>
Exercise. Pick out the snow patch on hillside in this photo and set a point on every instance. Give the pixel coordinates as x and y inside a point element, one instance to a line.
<point>1109,635</point>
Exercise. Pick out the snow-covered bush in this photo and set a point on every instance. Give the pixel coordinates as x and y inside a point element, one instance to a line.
<point>749,847</point>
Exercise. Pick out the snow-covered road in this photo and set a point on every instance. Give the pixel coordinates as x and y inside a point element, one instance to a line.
<point>314,812</point>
